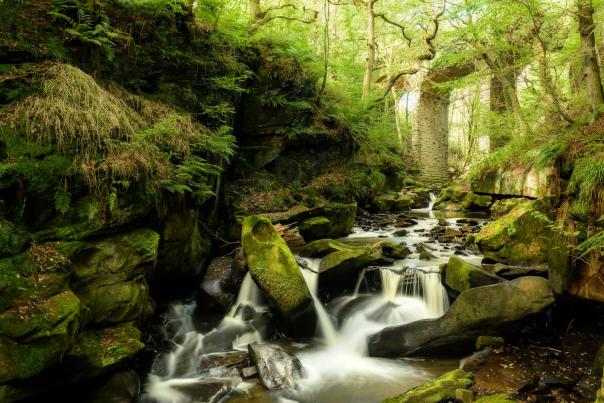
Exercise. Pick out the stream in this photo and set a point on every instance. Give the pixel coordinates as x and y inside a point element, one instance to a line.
<point>335,364</point>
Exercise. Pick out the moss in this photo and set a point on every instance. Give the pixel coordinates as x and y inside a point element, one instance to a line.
<point>273,267</point>
<point>461,275</point>
<point>439,390</point>
<point>474,202</point>
<point>314,228</point>
<point>342,217</point>
<point>322,247</point>
<point>392,250</point>
<point>347,260</point>
<point>34,337</point>
<point>449,198</point>
<point>12,239</point>
<point>100,350</point>
<point>519,237</point>
<point>393,202</point>
<point>21,280</point>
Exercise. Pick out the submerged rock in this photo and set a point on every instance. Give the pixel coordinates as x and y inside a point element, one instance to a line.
<point>275,269</point>
<point>461,275</point>
<point>278,369</point>
<point>476,312</point>
<point>440,390</point>
<point>519,238</point>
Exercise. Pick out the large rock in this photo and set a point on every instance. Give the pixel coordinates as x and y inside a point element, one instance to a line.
<point>109,276</point>
<point>221,282</point>
<point>339,270</point>
<point>98,351</point>
<point>503,206</point>
<point>35,336</point>
<point>277,368</point>
<point>518,238</point>
<point>461,275</point>
<point>393,202</point>
<point>275,269</point>
<point>440,390</point>
<point>476,312</point>
<point>314,228</point>
<point>450,198</point>
<point>322,247</point>
<point>183,250</point>
<point>518,181</point>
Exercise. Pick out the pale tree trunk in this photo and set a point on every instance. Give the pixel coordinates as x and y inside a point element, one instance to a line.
<point>254,9</point>
<point>591,69</point>
<point>369,65</point>
<point>397,120</point>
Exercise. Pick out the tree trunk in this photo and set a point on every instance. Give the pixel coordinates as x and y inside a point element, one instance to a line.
<point>255,10</point>
<point>367,79</point>
<point>591,69</point>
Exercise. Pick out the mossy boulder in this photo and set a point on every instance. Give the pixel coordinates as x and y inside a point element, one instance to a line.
<point>12,239</point>
<point>322,247</point>
<point>314,228</point>
<point>275,269</point>
<point>461,275</point>
<point>480,311</point>
<point>89,216</point>
<point>503,206</point>
<point>518,238</point>
<point>440,390</point>
<point>183,248</point>
<point>475,202</point>
<point>393,202</point>
<point>109,276</point>
<point>341,217</point>
<point>97,351</point>
<point>339,270</point>
<point>22,280</point>
<point>36,336</point>
<point>392,250</point>
<point>450,198</point>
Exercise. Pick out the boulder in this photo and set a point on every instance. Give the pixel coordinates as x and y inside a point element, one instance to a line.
<point>392,250</point>
<point>518,238</point>
<point>98,351</point>
<point>314,228</point>
<point>479,311</point>
<point>475,202</point>
<point>341,218</point>
<point>109,276</point>
<point>183,250</point>
<point>450,199</point>
<point>119,387</point>
<point>275,269</point>
<point>35,336</point>
<point>503,206</point>
<point>461,275</point>
<point>339,270</point>
<point>511,272</point>
<point>278,369</point>
<point>393,202</point>
<point>220,284</point>
<point>514,180</point>
<point>441,389</point>
<point>322,247</point>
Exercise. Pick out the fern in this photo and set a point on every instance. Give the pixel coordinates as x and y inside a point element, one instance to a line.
<point>62,201</point>
<point>594,243</point>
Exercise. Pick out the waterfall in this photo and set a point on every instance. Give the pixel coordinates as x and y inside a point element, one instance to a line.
<point>249,294</point>
<point>425,283</point>
<point>324,323</point>
<point>390,284</point>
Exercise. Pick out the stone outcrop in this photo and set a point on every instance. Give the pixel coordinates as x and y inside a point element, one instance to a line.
<point>461,275</point>
<point>518,181</point>
<point>479,311</point>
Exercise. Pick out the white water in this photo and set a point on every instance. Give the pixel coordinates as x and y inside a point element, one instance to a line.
<point>338,368</point>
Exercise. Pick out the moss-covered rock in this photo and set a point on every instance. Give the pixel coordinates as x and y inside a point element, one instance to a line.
<point>485,341</point>
<point>461,275</point>
<point>109,276</point>
<point>274,268</point>
<point>392,250</point>
<point>440,390</point>
<point>450,198</point>
<point>97,351</point>
<point>339,270</point>
<point>34,337</point>
<point>393,202</point>
<point>183,248</point>
<point>322,247</point>
<point>314,228</point>
<point>341,217</point>
<point>518,238</point>
<point>12,239</point>
<point>22,280</point>
<point>475,202</point>
<point>480,311</point>
<point>503,206</point>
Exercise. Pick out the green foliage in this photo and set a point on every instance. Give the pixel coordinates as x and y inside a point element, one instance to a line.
<point>62,201</point>
<point>593,244</point>
<point>588,180</point>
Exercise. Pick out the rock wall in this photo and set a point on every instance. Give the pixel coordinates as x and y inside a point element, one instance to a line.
<point>517,181</point>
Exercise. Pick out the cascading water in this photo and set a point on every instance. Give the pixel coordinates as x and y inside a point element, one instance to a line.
<point>336,365</point>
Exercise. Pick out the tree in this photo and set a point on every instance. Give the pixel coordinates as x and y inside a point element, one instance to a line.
<point>591,69</point>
